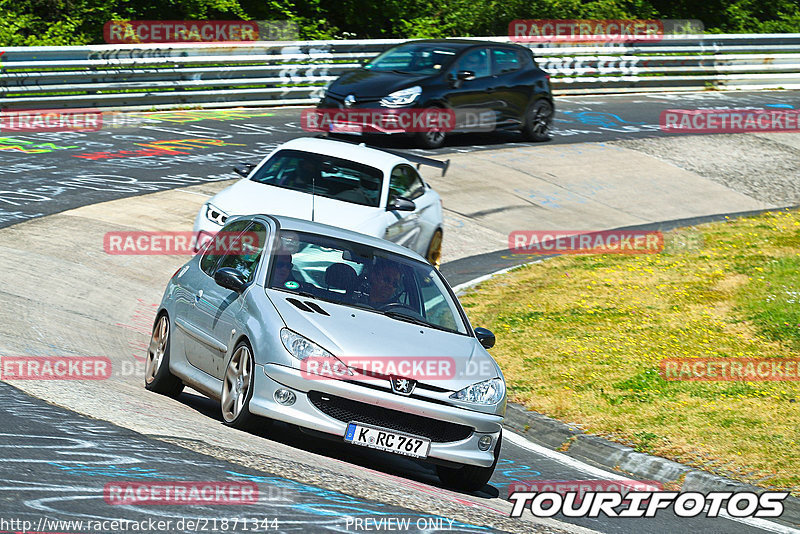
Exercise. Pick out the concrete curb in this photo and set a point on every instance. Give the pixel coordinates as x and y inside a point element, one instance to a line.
<point>601,452</point>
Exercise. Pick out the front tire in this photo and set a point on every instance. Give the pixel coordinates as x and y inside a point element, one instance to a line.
<point>157,376</point>
<point>537,121</point>
<point>237,388</point>
<point>469,477</point>
<point>431,139</point>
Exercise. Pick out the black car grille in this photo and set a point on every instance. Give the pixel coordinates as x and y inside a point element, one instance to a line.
<point>335,101</point>
<point>346,410</point>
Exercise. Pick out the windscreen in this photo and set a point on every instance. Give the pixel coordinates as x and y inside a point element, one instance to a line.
<point>360,276</point>
<point>325,176</point>
<point>413,59</point>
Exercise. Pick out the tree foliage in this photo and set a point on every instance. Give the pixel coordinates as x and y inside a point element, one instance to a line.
<point>62,22</point>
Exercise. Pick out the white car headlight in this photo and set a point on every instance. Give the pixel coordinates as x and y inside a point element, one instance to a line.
<point>304,349</point>
<point>486,392</point>
<point>215,215</point>
<point>403,97</point>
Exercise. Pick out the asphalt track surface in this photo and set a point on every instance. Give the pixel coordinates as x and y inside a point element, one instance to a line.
<point>49,172</point>
<point>57,462</point>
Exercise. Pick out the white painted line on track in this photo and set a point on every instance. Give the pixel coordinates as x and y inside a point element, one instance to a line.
<point>573,463</point>
<point>206,195</point>
<point>475,281</point>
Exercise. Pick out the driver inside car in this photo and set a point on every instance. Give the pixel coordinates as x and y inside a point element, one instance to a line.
<point>282,273</point>
<point>385,283</point>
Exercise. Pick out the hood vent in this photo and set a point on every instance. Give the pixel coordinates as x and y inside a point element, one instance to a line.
<point>307,306</point>
<point>316,307</point>
<point>299,305</point>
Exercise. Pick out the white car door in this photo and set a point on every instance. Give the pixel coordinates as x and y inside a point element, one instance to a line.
<point>407,228</point>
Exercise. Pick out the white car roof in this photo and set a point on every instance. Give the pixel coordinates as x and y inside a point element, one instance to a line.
<point>348,151</point>
<point>303,225</point>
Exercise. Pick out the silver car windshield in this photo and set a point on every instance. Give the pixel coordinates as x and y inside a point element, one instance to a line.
<point>422,58</point>
<point>325,176</point>
<point>360,276</point>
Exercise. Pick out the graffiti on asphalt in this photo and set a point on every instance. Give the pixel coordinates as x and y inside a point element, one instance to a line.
<point>62,461</point>
<point>159,148</point>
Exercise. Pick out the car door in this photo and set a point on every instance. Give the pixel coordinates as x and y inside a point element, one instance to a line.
<point>218,306</point>
<point>468,96</point>
<point>199,344</point>
<point>406,227</point>
<point>511,87</point>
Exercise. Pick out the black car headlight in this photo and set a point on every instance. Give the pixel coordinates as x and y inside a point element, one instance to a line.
<point>403,97</point>
<point>215,215</point>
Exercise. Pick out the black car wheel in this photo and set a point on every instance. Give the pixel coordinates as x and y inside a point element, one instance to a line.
<point>536,125</point>
<point>432,139</point>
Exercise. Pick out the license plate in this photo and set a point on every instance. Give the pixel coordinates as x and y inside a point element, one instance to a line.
<point>387,440</point>
<point>338,127</point>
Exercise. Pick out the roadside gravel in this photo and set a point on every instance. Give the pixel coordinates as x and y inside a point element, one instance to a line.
<point>762,166</point>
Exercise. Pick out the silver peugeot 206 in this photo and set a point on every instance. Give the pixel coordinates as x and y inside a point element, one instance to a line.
<point>342,334</point>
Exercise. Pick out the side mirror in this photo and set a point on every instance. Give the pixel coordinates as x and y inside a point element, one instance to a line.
<point>401,204</point>
<point>244,169</point>
<point>230,278</point>
<point>485,337</point>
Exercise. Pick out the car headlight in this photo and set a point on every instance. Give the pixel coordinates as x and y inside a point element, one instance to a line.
<point>403,97</point>
<point>306,350</point>
<point>486,392</point>
<point>215,215</point>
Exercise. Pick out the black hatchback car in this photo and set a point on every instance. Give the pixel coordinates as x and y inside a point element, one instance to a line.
<point>454,74</point>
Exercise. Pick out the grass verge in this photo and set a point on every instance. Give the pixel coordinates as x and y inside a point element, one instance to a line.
<point>581,338</point>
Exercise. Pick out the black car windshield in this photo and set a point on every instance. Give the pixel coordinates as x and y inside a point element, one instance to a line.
<point>360,276</point>
<point>421,58</point>
<point>325,176</point>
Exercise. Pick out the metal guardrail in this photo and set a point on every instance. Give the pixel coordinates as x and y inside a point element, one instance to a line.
<point>276,73</point>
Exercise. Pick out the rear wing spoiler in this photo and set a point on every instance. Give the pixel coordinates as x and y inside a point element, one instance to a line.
<point>419,160</point>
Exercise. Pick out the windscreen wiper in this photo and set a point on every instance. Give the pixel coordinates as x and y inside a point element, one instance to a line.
<point>404,317</point>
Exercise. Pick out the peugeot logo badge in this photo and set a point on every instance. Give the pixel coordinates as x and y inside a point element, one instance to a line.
<point>402,386</point>
<point>349,100</point>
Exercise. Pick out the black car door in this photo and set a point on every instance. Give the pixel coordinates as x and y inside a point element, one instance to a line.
<point>511,85</point>
<point>467,96</point>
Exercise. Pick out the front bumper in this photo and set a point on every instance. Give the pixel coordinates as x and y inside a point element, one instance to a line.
<point>349,121</point>
<point>306,414</point>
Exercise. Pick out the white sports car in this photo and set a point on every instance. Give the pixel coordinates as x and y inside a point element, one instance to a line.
<point>371,191</point>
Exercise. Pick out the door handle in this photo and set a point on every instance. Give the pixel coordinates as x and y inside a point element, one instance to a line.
<point>198,296</point>
<point>491,89</point>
